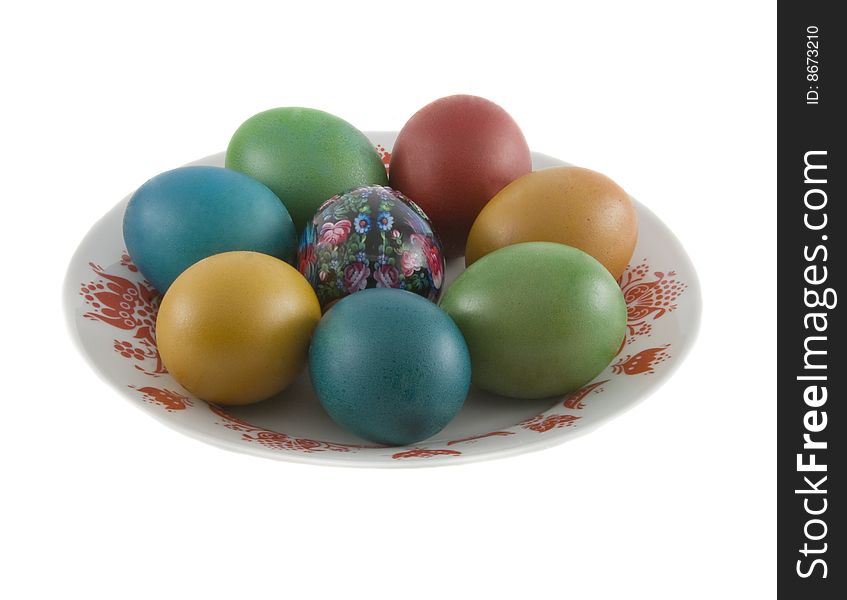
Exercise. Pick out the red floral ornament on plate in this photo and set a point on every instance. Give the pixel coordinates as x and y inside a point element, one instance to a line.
<point>385,155</point>
<point>544,422</point>
<point>644,362</point>
<point>648,299</point>
<point>425,453</point>
<point>575,400</point>
<point>126,261</point>
<point>129,306</point>
<point>167,399</point>
<point>276,440</point>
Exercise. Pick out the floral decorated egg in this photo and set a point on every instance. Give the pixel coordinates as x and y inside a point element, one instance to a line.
<point>370,237</point>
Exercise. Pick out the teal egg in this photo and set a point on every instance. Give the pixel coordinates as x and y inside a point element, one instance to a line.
<point>185,215</point>
<point>389,366</point>
<point>540,319</point>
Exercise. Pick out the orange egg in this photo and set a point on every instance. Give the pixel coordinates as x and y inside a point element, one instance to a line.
<point>235,328</point>
<point>568,205</point>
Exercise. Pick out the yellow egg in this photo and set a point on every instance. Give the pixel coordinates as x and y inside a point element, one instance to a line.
<point>567,205</point>
<point>235,328</point>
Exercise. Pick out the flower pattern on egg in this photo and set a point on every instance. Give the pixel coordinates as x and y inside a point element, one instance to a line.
<point>370,237</point>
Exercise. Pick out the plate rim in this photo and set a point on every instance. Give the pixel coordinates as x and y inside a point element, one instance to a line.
<point>70,292</point>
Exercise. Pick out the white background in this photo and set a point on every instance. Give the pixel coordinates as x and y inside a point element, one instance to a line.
<point>675,499</point>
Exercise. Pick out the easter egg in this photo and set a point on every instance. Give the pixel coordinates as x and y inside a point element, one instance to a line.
<point>540,319</point>
<point>389,366</point>
<point>190,213</point>
<point>370,237</point>
<point>452,157</point>
<point>235,327</point>
<point>568,205</point>
<point>305,156</point>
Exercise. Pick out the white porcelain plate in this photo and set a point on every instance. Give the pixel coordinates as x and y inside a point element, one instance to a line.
<point>111,312</point>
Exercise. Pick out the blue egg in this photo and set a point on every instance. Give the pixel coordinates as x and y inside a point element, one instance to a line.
<point>390,366</point>
<point>182,216</point>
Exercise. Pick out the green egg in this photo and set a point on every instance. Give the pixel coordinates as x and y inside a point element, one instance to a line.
<point>305,156</point>
<point>540,319</point>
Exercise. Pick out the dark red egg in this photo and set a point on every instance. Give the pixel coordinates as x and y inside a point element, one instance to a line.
<point>452,157</point>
